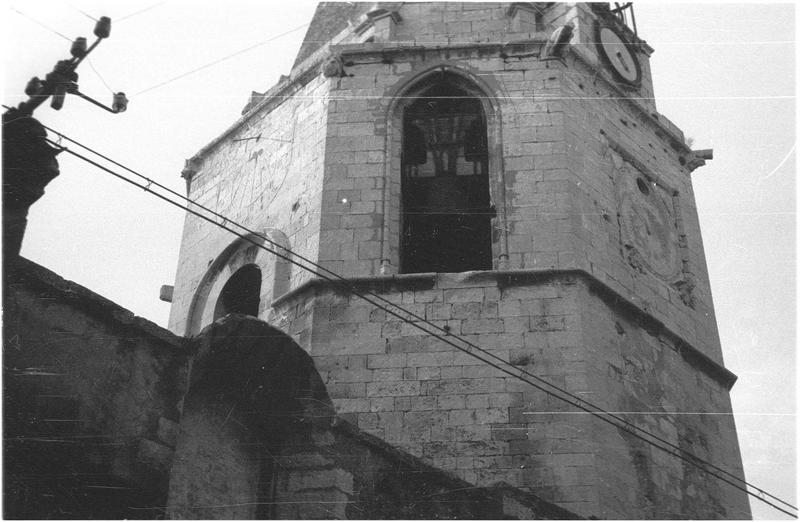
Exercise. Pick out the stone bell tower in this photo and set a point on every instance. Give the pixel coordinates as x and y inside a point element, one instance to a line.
<point>500,170</point>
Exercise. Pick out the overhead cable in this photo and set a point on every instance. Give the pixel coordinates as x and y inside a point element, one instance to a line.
<point>140,11</point>
<point>37,22</point>
<point>219,60</point>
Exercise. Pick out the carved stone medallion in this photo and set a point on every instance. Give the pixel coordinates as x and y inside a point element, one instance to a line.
<point>649,230</point>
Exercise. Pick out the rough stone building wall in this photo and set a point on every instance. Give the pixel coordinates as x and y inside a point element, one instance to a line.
<point>436,401</point>
<point>635,365</point>
<point>609,145</point>
<point>109,416</point>
<point>101,422</point>
<point>260,439</point>
<point>266,175</point>
<point>578,177</point>
<point>91,402</point>
<point>444,405</point>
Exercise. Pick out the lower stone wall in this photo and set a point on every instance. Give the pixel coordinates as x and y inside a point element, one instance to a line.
<point>445,406</point>
<point>459,414</point>
<point>103,420</point>
<point>259,439</point>
<point>644,373</point>
<point>91,397</point>
<point>356,476</point>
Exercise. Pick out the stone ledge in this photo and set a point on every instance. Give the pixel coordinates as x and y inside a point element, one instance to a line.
<point>381,283</point>
<point>511,278</point>
<point>383,49</point>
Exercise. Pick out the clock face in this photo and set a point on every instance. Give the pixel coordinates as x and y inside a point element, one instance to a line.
<point>618,55</point>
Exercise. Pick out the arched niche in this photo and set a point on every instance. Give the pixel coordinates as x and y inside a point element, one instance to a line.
<point>246,251</point>
<point>241,293</point>
<point>470,222</point>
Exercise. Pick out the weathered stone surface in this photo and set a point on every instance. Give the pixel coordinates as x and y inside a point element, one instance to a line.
<point>599,287</point>
<point>90,391</point>
<point>85,383</point>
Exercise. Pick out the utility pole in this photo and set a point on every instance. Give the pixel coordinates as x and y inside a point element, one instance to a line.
<point>63,79</point>
<point>29,163</point>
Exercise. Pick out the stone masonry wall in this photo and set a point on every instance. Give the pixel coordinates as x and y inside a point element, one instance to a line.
<point>349,474</point>
<point>439,403</point>
<point>362,164</point>
<point>639,371</point>
<point>557,189</point>
<point>457,413</point>
<point>558,196</point>
<point>591,191</point>
<point>259,439</point>
<point>266,175</point>
<point>91,402</point>
<point>602,134</point>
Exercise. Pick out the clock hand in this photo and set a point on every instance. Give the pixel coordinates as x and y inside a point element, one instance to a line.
<point>622,61</point>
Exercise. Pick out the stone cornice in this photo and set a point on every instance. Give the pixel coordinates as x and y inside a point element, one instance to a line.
<point>309,70</point>
<point>510,278</point>
<point>389,48</point>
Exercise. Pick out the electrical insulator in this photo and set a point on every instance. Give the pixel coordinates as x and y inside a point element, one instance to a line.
<point>79,47</point>
<point>34,86</point>
<point>59,93</point>
<point>103,27</point>
<point>120,103</point>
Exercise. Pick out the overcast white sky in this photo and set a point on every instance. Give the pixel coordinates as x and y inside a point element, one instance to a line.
<point>724,73</point>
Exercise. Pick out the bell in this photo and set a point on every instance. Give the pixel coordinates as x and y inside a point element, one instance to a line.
<point>415,149</point>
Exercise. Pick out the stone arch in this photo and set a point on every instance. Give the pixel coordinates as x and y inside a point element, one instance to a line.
<point>241,293</point>
<point>253,393</point>
<point>275,271</point>
<point>408,89</point>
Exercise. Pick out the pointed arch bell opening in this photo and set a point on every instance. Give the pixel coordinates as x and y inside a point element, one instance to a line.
<point>443,177</point>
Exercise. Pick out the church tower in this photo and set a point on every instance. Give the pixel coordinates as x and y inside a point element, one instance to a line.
<point>498,170</point>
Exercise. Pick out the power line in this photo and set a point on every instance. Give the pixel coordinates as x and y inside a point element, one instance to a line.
<point>37,22</point>
<point>519,373</point>
<point>84,13</point>
<point>131,15</point>
<point>89,61</point>
<point>220,60</point>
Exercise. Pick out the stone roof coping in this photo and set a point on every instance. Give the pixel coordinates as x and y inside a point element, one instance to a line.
<point>25,273</point>
<point>502,489</point>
